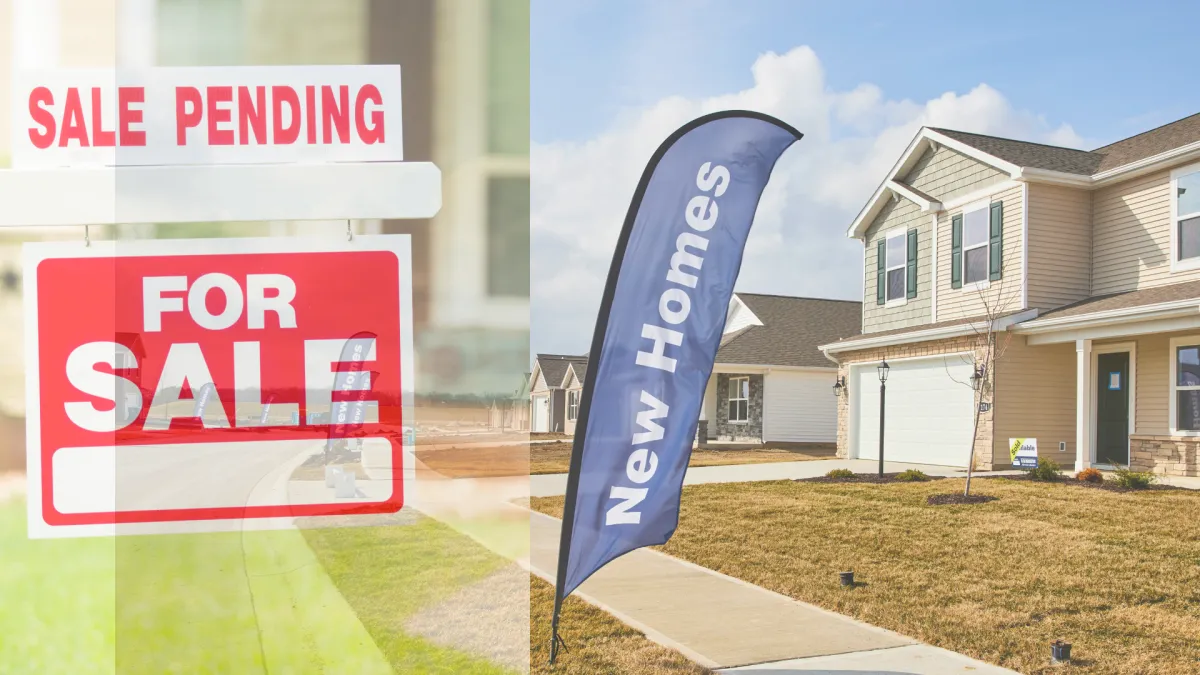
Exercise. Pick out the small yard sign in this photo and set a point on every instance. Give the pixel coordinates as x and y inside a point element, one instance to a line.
<point>1024,452</point>
<point>203,385</point>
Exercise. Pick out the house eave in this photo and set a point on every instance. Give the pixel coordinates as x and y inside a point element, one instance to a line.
<point>924,139</point>
<point>1165,310</point>
<point>957,330</point>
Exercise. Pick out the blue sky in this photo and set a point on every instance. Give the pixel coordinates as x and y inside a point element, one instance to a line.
<point>1110,69</point>
<point>611,78</point>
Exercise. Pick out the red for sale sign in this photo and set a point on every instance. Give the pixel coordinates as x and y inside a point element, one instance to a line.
<point>211,384</point>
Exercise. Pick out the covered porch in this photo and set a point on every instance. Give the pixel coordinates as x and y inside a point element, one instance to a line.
<point>1136,375</point>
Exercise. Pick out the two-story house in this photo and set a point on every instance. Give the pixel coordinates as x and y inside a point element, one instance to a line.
<point>1085,265</point>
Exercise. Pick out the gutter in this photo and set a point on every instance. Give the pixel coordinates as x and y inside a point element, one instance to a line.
<point>957,330</point>
<point>1164,310</point>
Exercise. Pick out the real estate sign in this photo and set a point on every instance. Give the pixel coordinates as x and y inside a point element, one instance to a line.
<point>1024,452</point>
<point>168,381</point>
<point>191,116</point>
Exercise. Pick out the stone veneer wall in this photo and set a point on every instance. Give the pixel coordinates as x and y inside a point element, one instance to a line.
<point>987,456</point>
<point>1166,455</point>
<point>751,431</point>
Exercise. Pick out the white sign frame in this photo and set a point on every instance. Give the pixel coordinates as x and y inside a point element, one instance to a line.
<point>35,252</point>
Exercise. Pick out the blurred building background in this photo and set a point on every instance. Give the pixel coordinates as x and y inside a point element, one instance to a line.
<point>465,74</point>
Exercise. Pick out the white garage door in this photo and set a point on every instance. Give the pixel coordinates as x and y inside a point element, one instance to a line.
<point>929,414</point>
<point>541,414</point>
<point>799,407</point>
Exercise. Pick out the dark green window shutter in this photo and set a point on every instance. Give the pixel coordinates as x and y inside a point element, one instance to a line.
<point>956,252</point>
<point>996,244</point>
<point>912,264</point>
<point>880,273</point>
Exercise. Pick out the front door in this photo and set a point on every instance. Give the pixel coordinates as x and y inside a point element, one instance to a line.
<point>1112,409</point>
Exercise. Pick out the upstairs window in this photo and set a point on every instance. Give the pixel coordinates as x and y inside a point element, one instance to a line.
<point>897,260</point>
<point>1185,190</point>
<point>975,242</point>
<point>977,245</point>
<point>896,268</point>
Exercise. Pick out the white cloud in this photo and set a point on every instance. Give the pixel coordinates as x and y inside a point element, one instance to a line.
<point>581,190</point>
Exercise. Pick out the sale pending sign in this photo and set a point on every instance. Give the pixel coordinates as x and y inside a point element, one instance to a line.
<point>191,116</point>
<point>193,385</point>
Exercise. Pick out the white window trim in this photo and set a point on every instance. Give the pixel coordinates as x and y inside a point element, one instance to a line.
<point>984,205</point>
<point>572,405</point>
<point>1178,265</point>
<point>903,299</point>
<point>1171,388</point>
<point>729,400</point>
<point>1130,387</point>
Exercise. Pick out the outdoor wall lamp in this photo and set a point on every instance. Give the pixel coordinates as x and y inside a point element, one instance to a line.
<point>839,387</point>
<point>977,377</point>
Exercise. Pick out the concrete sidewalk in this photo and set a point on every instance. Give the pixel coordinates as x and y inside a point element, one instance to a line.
<point>722,622</point>
<point>555,484</point>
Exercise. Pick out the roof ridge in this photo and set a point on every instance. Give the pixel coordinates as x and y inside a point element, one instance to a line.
<point>1017,140</point>
<point>1143,133</point>
<point>794,297</point>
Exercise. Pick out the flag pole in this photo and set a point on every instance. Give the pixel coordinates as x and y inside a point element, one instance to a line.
<point>585,403</point>
<point>602,317</point>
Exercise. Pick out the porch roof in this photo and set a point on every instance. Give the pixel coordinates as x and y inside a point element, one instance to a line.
<point>1130,300</point>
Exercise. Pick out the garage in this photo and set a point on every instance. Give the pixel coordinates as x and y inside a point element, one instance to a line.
<point>929,415</point>
<point>798,407</point>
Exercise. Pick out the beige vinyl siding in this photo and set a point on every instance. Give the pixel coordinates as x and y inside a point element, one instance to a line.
<point>1060,252</point>
<point>1153,384</point>
<point>901,215</point>
<point>946,174</point>
<point>539,383</point>
<point>1035,398</point>
<point>999,297</point>
<point>1132,245</point>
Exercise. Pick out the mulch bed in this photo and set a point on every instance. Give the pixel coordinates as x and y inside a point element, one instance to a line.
<point>1106,485</point>
<point>863,478</point>
<point>959,498</point>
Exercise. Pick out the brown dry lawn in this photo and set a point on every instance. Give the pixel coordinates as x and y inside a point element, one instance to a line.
<point>543,458</point>
<point>597,642</point>
<point>1116,574</point>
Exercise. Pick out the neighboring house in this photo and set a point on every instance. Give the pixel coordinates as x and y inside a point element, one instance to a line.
<point>1088,264</point>
<point>511,413</point>
<point>548,395</point>
<point>770,383</point>
<point>573,396</point>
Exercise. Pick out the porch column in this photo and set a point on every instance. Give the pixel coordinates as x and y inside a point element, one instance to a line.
<point>1083,404</point>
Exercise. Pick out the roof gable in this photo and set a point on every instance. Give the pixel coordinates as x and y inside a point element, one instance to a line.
<point>554,367</point>
<point>1176,142</point>
<point>790,332</point>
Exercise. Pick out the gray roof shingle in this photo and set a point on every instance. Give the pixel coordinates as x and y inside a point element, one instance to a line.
<point>1083,162</point>
<point>792,330</point>
<point>1032,155</point>
<point>1188,290</point>
<point>554,367</point>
